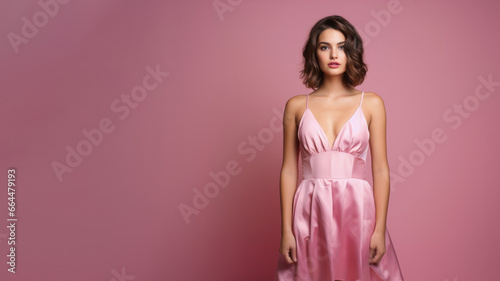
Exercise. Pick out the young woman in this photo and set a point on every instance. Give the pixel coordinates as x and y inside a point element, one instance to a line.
<point>334,223</point>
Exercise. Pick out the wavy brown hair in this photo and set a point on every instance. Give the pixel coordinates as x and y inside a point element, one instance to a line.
<point>355,69</point>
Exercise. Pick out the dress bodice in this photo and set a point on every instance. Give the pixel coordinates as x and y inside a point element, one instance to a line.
<point>353,139</point>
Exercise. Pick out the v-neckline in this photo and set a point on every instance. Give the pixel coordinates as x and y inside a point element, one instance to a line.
<point>341,129</point>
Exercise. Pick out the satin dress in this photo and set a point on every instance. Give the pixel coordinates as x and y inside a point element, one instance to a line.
<point>334,208</point>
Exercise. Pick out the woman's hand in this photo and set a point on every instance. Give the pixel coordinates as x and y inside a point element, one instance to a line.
<point>377,246</point>
<point>288,247</point>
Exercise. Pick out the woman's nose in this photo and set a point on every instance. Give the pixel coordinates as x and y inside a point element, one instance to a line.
<point>333,54</point>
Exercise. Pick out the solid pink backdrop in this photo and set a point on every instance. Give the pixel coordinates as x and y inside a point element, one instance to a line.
<point>158,142</point>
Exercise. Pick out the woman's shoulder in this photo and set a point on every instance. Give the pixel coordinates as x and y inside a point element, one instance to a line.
<point>373,100</point>
<point>373,105</point>
<point>372,95</point>
<point>296,102</point>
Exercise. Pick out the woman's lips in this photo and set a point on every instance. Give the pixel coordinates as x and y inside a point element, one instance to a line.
<point>333,65</point>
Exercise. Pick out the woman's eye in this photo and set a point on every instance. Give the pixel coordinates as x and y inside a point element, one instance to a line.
<point>341,47</point>
<point>321,48</point>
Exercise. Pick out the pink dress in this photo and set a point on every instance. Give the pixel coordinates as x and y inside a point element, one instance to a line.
<point>334,208</point>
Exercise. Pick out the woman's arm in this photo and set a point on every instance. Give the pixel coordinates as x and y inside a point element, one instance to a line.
<point>380,166</point>
<point>288,175</point>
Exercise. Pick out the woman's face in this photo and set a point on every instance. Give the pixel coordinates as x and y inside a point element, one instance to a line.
<point>331,49</point>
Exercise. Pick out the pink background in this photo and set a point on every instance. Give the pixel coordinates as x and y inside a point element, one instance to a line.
<point>117,212</point>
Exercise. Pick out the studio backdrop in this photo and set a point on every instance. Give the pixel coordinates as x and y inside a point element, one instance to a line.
<point>142,140</point>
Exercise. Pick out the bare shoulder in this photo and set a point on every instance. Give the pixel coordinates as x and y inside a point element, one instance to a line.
<point>295,102</point>
<point>373,106</point>
<point>373,99</point>
<point>294,107</point>
<point>373,102</point>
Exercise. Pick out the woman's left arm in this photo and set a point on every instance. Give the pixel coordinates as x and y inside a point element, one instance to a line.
<point>380,166</point>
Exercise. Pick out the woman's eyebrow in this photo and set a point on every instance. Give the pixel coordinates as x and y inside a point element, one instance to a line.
<point>330,44</point>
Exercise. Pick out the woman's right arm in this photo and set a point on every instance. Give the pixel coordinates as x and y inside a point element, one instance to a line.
<point>288,179</point>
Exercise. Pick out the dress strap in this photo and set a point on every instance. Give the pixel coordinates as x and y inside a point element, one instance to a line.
<point>361,102</point>
<point>307,100</point>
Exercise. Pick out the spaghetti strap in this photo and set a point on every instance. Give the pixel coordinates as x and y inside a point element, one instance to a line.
<point>307,101</point>
<point>361,102</point>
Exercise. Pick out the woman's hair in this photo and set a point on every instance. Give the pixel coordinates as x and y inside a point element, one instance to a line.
<point>355,69</point>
